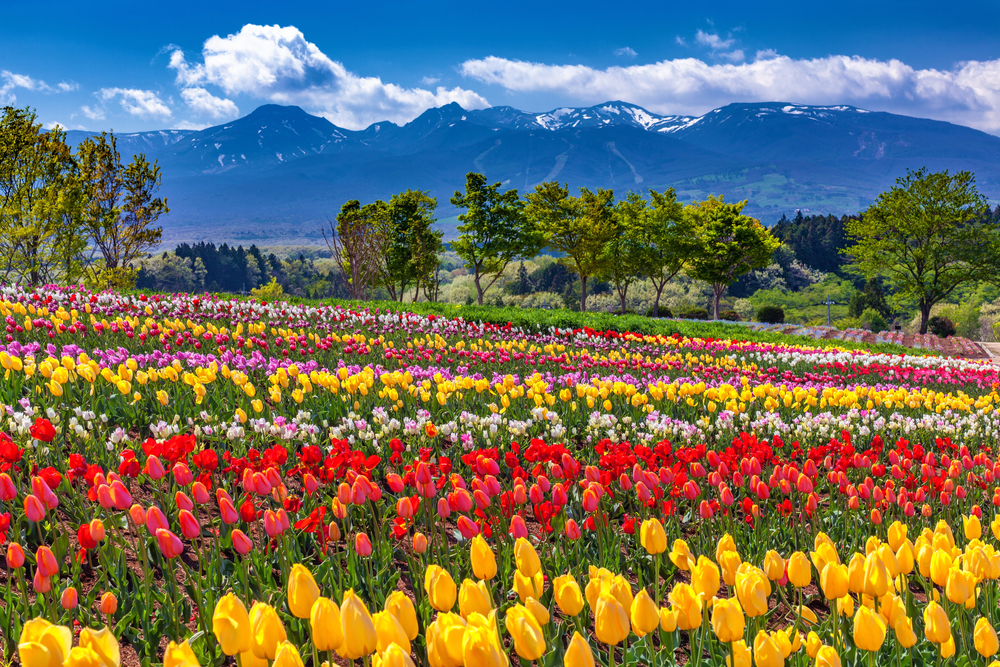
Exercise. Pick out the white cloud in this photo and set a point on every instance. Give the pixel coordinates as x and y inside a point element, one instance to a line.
<point>278,64</point>
<point>93,113</point>
<point>53,125</point>
<point>429,80</point>
<point>11,80</point>
<point>188,125</point>
<point>734,56</point>
<point>713,41</point>
<point>141,103</point>
<point>204,102</point>
<point>626,51</point>
<point>969,93</point>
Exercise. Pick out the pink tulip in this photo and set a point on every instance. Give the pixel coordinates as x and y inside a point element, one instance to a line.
<point>572,530</point>
<point>154,468</point>
<point>200,493</point>
<point>34,509</point>
<point>362,545</point>
<point>182,474</point>
<point>518,527</point>
<point>170,545</point>
<point>120,496</point>
<point>46,561</point>
<point>183,502</point>
<point>155,520</point>
<point>467,527</point>
<point>137,514</point>
<point>241,543</point>
<point>189,525</point>
<point>8,491</point>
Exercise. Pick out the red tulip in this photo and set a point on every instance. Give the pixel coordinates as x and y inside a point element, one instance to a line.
<point>154,468</point>
<point>247,511</point>
<point>8,491</point>
<point>15,556</point>
<point>42,430</point>
<point>183,502</point>
<point>200,493</point>
<point>362,545</point>
<point>155,520</point>
<point>228,512</point>
<point>120,496</point>
<point>69,599</point>
<point>170,545</point>
<point>46,561</point>
<point>190,527</point>
<point>97,530</point>
<point>34,509</point>
<point>395,482</point>
<point>467,527</point>
<point>241,543</point>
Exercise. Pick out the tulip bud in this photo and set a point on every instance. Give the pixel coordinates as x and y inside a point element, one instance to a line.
<point>69,599</point>
<point>109,604</point>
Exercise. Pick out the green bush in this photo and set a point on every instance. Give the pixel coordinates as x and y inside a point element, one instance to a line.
<point>664,312</point>
<point>771,315</point>
<point>872,320</point>
<point>941,327</point>
<point>730,316</point>
<point>272,291</point>
<point>693,314</point>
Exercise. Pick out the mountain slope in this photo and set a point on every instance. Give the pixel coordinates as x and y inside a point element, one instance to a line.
<point>278,174</point>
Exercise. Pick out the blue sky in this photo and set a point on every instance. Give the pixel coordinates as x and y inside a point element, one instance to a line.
<point>136,66</point>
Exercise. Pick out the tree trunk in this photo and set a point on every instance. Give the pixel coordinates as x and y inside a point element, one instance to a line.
<point>925,316</point>
<point>717,290</point>
<point>583,294</point>
<point>621,297</point>
<point>479,289</point>
<point>656,302</point>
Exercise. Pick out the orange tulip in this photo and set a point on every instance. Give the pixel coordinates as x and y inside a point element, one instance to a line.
<point>109,603</point>
<point>46,561</point>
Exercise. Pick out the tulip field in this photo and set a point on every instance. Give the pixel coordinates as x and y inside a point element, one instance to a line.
<point>198,480</point>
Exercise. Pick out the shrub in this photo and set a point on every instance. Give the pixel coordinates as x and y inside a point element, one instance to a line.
<point>941,327</point>
<point>693,314</point>
<point>771,315</point>
<point>269,292</point>
<point>664,312</point>
<point>872,320</point>
<point>730,315</point>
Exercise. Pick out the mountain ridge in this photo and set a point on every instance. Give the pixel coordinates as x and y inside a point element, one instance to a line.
<point>279,173</point>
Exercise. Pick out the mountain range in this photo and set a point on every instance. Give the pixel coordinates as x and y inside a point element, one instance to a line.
<point>277,175</point>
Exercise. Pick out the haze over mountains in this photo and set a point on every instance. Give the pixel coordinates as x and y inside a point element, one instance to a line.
<point>276,175</point>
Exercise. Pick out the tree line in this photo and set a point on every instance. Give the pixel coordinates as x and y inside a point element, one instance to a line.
<point>71,215</point>
<point>392,245</point>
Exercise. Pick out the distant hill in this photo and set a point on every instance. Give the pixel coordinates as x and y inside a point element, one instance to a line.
<point>276,175</point>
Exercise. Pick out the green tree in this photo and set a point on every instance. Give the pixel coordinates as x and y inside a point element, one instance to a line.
<point>926,236</point>
<point>729,244</point>
<point>121,207</point>
<point>359,242</point>
<point>41,237</point>
<point>414,243</point>
<point>578,227</point>
<point>627,247</point>
<point>669,241</point>
<point>493,231</point>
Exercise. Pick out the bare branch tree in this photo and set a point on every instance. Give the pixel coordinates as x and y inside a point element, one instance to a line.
<point>359,242</point>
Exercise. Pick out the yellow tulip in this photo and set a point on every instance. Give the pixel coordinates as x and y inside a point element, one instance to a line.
<point>445,639</point>
<point>752,590</point>
<point>973,527</point>
<point>104,643</point>
<point>652,536</point>
<point>484,562</point>
<point>688,605</point>
<point>538,610</point>
<point>904,558</point>
<point>668,619</point>
<point>888,558</point>
<point>948,648</point>
<point>845,606</point>
<point>287,656</point>
<point>856,574</point>
<point>440,588</point>
<point>799,572</point>
<point>766,652</point>
<point>474,598</point>
<point>180,655</point>
<point>725,543</point>
<point>824,554</point>
<point>897,535</point>
<point>78,657</point>
<point>567,594</point>
<point>401,606</point>
<point>705,578</point>
<point>728,622</point>
<point>388,631</point>
<point>528,587</point>
<point>937,628</point>
<point>891,607</point>
<point>740,655</point>
<point>43,644</point>
<point>834,581</point>
<point>985,638</point>
<point>774,566</point>
<point>525,632</point>
<point>958,588</point>
<point>578,653</point>
<point>622,590</point>
<point>394,656</point>
<point>231,625</point>
<point>869,630</point>
<point>611,623</point>
<point>827,657</point>
<point>681,556</point>
<point>904,632</point>
<point>527,558</point>
<point>326,625</point>
<point>267,630</point>
<point>302,591</point>
<point>940,567</point>
<point>358,628</point>
<point>813,645</point>
<point>644,613</point>
<point>480,648</point>
<point>877,578</point>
